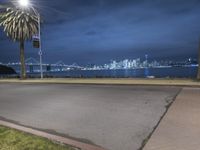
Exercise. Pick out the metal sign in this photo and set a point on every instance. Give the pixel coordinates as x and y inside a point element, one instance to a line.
<point>36,42</point>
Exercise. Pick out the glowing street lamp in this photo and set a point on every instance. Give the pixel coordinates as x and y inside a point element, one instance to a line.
<point>26,4</point>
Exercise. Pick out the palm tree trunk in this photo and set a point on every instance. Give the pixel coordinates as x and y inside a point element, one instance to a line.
<point>198,75</point>
<point>22,60</point>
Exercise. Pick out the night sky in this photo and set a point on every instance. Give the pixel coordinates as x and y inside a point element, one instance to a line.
<point>97,31</point>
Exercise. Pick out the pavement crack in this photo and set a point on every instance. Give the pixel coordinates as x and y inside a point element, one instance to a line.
<point>169,104</point>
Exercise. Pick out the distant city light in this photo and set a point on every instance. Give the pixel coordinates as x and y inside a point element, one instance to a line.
<point>136,63</point>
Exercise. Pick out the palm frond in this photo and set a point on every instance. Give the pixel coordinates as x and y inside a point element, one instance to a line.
<point>19,24</point>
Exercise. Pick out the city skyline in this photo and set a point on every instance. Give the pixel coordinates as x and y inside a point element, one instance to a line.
<point>139,63</point>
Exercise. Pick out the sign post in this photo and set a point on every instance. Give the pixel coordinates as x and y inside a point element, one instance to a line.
<point>37,44</point>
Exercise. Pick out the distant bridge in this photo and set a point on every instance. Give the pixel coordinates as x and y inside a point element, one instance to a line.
<point>33,65</point>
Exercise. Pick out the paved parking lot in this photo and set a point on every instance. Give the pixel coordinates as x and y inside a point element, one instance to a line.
<point>114,117</point>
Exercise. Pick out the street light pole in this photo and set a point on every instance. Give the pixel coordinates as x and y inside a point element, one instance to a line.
<point>198,74</point>
<point>40,46</point>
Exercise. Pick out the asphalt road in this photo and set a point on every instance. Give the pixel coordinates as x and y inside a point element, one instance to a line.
<point>114,117</point>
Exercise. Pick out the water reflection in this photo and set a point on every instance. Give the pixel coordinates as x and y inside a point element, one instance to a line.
<point>190,72</point>
<point>146,72</point>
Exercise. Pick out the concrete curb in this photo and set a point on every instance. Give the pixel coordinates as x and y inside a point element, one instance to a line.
<point>128,82</point>
<point>76,144</point>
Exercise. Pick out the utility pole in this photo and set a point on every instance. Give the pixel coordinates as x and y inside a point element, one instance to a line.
<point>40,47</point>
<point>146,59</point>
<point>198,75</point>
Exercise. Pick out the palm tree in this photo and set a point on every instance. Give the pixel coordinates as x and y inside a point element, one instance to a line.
<point>198,75</point>
<point>20,25</point>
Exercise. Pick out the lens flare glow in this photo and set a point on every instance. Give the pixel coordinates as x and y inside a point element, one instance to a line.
<point>24,3</point>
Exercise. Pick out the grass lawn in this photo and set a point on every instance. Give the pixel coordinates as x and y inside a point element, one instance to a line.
<point>11,139</point>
